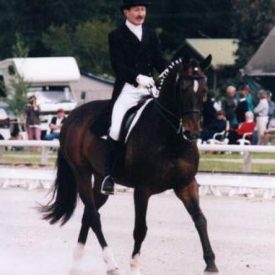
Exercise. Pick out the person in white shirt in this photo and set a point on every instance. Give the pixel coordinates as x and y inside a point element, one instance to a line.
<point>261,113</point>
<point>135,54</point>
<point>56,125</point>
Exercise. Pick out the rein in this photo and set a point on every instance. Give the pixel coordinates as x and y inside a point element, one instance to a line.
<point>169,115</point>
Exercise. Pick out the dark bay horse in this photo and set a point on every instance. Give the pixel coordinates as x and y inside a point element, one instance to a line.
<point>160,154</point>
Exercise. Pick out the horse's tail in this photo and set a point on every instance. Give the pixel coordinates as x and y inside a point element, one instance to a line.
<point>63,202</point>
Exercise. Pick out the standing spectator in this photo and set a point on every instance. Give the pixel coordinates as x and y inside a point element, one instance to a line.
<point>32,119</point>
<point>55,125</point>
<point>261,112</point>
<point>229,106</point>
<point>208,112</point>
<point>249,99</point>
<point>242,107</point>
<point>271,105</point>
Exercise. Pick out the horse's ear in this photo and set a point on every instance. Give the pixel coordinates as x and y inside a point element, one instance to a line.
<point>206,62</point>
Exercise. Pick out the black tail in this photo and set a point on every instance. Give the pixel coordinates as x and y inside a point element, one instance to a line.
<point>63,202</point>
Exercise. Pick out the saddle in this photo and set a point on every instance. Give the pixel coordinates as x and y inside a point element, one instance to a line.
<point>102,123</point>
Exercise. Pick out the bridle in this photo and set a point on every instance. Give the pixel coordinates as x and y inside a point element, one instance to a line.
<point>175,120</point>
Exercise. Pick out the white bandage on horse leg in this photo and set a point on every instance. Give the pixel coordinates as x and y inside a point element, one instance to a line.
<point>109,259</point>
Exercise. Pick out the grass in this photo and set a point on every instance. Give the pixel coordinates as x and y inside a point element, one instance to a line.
<point>210,162</point>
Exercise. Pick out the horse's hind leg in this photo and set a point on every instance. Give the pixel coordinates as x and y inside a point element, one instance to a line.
<point>189,196</point>
<point>93,200</point>
<point>141,198</point>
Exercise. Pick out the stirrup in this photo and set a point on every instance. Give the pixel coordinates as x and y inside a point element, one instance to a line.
<point>107,186</point>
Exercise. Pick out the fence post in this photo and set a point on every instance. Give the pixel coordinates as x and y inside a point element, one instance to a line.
<point>247,157</point>
<point>2,149</point>
<point>44,155</point>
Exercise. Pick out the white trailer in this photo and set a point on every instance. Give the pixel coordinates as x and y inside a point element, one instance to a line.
<point>48,78</point>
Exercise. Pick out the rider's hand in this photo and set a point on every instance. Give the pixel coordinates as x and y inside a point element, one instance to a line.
<point>145,81</point>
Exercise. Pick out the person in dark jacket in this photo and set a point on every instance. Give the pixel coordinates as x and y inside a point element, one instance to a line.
<point>135,53</point>
<point>32,112</point>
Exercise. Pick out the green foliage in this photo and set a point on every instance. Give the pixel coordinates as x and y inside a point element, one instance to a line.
<point>59,40</point>
<point>79,28</point>
<point>17,96</point>
<point>88,43</point>
<point>252,21</point>
<point>92,51</point>
<point>20,48</point>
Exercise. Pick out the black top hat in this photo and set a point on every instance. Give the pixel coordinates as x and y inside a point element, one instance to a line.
<point>132,3</point>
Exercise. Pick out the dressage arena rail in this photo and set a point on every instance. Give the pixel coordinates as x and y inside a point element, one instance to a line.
<point>45,177</point>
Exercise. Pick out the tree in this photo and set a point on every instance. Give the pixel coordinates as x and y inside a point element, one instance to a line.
<point>88,43</point>
<point>252,20</point>
<point>17,96</point>
<point>20,48</point>
<point>92,46</point>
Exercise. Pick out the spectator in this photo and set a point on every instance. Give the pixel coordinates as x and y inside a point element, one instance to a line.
<point>55,125</point>
<point>229,106</point>
<point>242,107</point>
<point>261,112</point>
<point>32,119</point>
<point>208,112</point>
<point>271,105</point>
<point>218,125</point>
<point>249,99</point>
<point>245,127</point>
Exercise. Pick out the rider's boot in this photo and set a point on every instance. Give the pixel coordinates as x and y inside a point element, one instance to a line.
<point>108,184</point>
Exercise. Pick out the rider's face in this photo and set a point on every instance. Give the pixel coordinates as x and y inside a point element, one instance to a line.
<point>136,15</point>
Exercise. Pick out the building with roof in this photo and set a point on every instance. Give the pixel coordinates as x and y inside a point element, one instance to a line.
<point>261,66</point>
<point>222,50</point>
<point>91,87</point>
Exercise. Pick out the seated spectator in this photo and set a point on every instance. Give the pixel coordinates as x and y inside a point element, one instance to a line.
<point>216,126</point>
<point>245,127</point>
<point>55,125</point>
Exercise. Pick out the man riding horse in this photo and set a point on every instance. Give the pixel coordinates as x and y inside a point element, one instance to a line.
<point>135,53</point>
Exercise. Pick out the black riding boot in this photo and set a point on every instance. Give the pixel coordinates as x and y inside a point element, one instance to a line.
<point>108,184</point>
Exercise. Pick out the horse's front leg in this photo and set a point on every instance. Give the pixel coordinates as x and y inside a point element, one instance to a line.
<point>189,196</point>
<point>141,198</point>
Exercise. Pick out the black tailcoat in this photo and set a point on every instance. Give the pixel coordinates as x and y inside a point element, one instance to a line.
<point>131,57</point>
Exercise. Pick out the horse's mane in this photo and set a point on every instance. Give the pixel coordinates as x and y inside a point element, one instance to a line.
<point>168,73</point>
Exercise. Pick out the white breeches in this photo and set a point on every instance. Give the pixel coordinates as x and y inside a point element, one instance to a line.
<point>128,98</point>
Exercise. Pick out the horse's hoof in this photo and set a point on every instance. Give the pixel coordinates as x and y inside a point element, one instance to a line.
<point>113,272</point>
<point>211,269</point>
<point>78,252</point>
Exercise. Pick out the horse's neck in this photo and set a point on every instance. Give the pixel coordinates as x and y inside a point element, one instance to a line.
<point>167,95</point>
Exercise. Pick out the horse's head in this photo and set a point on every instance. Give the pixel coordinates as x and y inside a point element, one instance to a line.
<point>187,81</point>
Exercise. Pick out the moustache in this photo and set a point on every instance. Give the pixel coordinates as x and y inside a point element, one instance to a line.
<point>140,17</point>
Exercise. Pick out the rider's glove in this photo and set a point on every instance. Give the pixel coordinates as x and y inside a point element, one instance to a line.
<point>145,81</point>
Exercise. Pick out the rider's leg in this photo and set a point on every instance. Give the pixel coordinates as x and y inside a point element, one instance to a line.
<point>128,98</point>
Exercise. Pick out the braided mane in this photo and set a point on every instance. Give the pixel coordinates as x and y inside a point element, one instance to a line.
<point>167,72</point>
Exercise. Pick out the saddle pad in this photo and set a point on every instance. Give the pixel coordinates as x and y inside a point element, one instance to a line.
<point>136,118</point>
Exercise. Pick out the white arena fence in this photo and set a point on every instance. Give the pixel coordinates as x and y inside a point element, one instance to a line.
<point>217,185</point>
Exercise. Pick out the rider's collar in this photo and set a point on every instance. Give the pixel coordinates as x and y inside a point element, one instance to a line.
<point>136,30</point>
